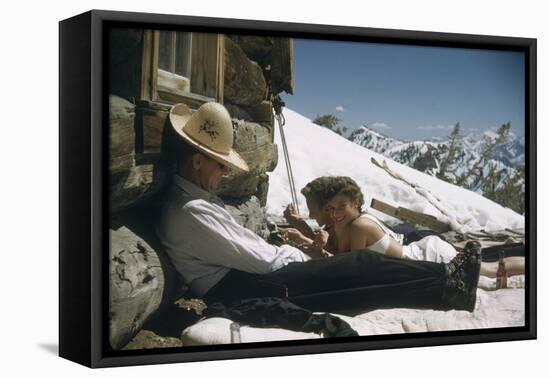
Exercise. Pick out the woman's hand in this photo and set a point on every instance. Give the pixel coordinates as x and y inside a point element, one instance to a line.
<point>321,238</point>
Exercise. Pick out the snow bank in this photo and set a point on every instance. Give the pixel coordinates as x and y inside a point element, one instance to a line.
<point>316,151</point>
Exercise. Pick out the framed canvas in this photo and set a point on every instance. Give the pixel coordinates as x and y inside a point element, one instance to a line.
<point>234,188</point>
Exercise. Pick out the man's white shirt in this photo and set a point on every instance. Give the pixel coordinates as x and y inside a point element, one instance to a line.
<point>204,241</point>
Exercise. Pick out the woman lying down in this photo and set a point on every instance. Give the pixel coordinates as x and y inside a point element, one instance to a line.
<point>336,204</point>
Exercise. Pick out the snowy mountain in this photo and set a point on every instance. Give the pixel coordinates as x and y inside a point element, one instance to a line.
<point>375,141</point>
<point>427,156</point>
<point>317,151</point>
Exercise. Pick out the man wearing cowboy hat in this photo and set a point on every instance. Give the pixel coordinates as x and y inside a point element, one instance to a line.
<point>223,261</point>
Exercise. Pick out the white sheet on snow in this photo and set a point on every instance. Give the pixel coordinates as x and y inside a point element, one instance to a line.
<point>316,151</point>
<point>494,309</point>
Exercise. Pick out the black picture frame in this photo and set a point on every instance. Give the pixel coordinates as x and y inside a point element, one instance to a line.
<point>84,193</point>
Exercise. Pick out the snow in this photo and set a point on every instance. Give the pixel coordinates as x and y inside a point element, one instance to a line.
<point>316,151</point>
<point>494,309</point>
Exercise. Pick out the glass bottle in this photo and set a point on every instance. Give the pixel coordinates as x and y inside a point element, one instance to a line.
<point>235,329</point>
<point>502,276</point>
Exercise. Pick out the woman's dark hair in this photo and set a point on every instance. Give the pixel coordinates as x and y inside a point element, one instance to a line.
<point>346,186</point>
<point>323,189</point>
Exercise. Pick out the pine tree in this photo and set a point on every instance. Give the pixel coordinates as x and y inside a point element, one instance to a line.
<point>486,154</point>
<point>455,140</point>
<point>512,193</point>
<point>489,185</point>
<point>327,120</point>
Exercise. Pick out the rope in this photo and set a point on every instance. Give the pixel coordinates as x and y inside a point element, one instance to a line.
<point>277,106</point>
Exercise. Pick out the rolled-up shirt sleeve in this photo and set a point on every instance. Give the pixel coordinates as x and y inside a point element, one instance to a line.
<point>217,239</point>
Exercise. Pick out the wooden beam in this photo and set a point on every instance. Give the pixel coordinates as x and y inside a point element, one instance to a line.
<point>411,216</point>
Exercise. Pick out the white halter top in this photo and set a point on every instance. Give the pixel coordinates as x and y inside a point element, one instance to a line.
<point>382,245</point>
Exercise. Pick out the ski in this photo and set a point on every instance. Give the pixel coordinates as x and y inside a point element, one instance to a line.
<point>432,199</point>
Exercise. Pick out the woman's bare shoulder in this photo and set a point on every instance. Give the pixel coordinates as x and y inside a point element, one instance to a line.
<point>363,224</point>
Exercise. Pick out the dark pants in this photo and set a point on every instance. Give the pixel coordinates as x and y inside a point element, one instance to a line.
<point>348,283</point>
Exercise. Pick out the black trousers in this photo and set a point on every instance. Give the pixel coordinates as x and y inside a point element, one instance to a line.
<point>350,283</point>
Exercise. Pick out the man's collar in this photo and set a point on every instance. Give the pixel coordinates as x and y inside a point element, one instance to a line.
<point>196,191</point>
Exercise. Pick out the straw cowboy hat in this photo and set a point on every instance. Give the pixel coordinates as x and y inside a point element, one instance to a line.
<point>209,130</point>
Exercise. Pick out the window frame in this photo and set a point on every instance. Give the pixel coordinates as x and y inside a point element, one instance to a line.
<point>150,89</point>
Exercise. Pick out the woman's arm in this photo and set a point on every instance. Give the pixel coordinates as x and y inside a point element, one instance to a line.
<point>362,233</point>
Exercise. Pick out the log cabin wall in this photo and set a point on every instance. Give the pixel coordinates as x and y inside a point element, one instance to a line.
<point>247,63</point>
<point>234,70</point>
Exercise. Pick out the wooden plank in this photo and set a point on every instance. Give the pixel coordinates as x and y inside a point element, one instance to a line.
<point>384,207</point>
<point>193,100</point>
<point>121,164</point>
<point>155,64</point>
<point>153,128</point>
<point>422,219</point>
<point>220,67</point>
<point>410,216</point>
<point>204,64</point>
<point>282,65</point>
<point>146,65</point>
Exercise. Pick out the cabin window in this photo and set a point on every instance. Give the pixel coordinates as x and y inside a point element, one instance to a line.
<point>183,67</point>
<point>174,62</point>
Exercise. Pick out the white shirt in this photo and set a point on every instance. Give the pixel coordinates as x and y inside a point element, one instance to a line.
<point>204,241</point>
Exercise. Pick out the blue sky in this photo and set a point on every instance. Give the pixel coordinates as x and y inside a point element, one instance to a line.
<point>408,92</point>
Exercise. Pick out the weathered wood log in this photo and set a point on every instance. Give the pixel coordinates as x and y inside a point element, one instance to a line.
<point>136,168</point>
<point>140,174</point>
<point>282,65</point>
<point>261,113</point>
<point>121,126</point>
<point>238,112</point>
<point>135,185</point>
<point>275,52</point>
<point>143,284</point>
<point>244,81</point>
<point>136,285</point>
<point>256,48</point>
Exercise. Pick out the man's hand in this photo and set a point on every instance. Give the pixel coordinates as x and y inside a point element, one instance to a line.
<point>291,215</point>
<point>292,235</point>
<point>314,251</point>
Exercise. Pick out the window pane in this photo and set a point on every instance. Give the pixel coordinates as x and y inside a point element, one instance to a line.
<point>175,52</point>
<point>183,54</point>
<point>166,50</point>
